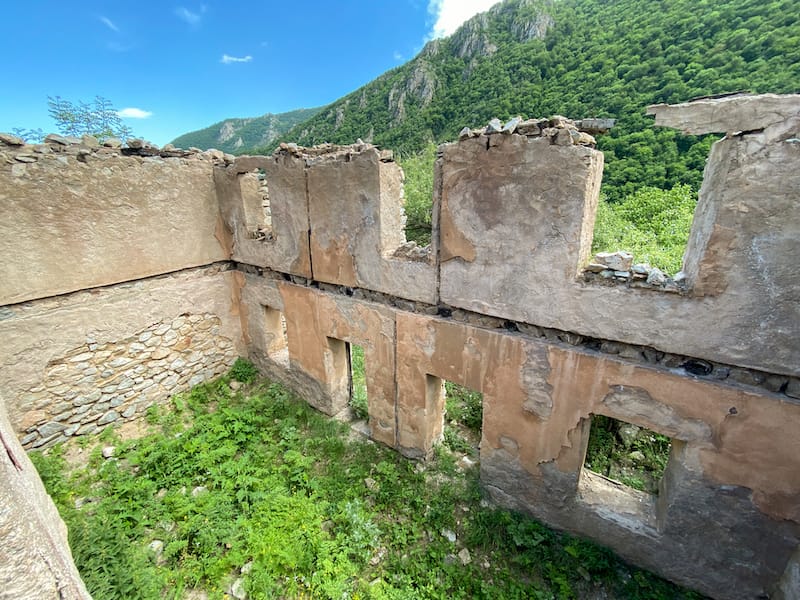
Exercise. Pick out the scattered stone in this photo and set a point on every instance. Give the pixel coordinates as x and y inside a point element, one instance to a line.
<point>108,451</point>
<point>135,143</point>
<point>563,137</point>
<point>371,484</point>
<point>54,138</point>
<point>464,557</point>
<point>90,141</point>
<point>235,385</point>
<point>637,456</point>
<point>246,568</point>
<point>156,547</point>
<point>377,557</point>
<point>113,142</point>
<point>25,158</point>
<point>511,126</point>
<point>495,126</point>
<point>616,261</point>
<point>200,489</point>
<point>11,140</point>
<point>450,536</point>
<point>529,127</point>
<point>465,462</point>
<point>656,277</point>
<point>628,432</point>
<point>465,133</point>
<point>680,277</point>
<point>793,388</point>
<point>595,267</point>
<point>237,589</point>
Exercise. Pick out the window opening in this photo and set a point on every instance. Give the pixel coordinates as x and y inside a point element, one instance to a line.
<point>463,419</point>
<point>256,204</point>
<point>358,382</point>
<point>632,455</point>
<point>275,338</point>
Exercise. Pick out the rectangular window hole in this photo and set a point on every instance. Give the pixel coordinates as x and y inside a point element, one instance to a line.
<point>275,339</point>
<point>629,454</point>
<point>358,382</point>
<point>256,205</point>
<point>463,419</point>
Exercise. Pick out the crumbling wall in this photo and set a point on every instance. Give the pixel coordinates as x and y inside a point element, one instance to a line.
<point>501,302</point>
<point>708,359</point>
<point>121,294</point>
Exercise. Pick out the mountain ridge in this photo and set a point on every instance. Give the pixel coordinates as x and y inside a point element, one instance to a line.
<point>238,135</point>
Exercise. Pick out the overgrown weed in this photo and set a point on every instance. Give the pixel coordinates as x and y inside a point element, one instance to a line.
<point>257,486</point>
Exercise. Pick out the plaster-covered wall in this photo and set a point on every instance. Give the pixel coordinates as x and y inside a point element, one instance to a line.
<point>500,303</point>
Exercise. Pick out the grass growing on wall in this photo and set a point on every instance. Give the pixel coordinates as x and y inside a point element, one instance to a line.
<point>255,486</point>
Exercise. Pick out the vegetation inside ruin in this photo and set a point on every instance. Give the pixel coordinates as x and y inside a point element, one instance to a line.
<point>632,455</point>
<point>240,486</point>
<point>358,382</point>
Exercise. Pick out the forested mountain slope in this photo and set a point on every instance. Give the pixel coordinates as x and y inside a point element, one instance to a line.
<point>240,135</point>
<point>579,58</point>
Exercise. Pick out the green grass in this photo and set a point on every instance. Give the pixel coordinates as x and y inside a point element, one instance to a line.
<point>358,398</point>
<point>638,461</point>
<point>255,478</point>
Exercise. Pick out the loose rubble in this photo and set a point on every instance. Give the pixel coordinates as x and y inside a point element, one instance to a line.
<point>14,149</point>
<point>615,268</point>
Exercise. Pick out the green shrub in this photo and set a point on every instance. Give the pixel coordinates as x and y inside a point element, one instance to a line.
<point>244,371</point>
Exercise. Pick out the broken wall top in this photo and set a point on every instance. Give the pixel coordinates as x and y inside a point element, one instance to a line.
<point>76,215</point>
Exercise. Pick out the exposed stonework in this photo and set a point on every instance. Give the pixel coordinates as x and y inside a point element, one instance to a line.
<point>502,302</point>
<point>95,384</point>
<point>77,363</point>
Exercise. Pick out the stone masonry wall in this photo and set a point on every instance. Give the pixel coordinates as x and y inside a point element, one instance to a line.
<point>500,302</point>
<point>97,384</point>
<point>76,363</point>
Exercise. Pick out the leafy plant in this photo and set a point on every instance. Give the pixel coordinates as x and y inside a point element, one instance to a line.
<point>98,118</point>
<point>243,371</point>
<point>261,487</point>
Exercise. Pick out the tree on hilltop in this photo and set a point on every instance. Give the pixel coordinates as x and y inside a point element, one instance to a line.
<point>98,118</point>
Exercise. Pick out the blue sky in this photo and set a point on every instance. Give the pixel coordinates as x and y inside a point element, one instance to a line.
<point>173,67</point>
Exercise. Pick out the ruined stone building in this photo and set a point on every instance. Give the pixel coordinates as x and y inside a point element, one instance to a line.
<point>130,274</point>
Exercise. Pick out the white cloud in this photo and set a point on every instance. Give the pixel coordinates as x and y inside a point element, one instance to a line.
<point>397,55</point>
<point>109,23</point>
<point>448,15</point>
<point>134,113</point>
<point>192,18</point>
<point>228,59</point>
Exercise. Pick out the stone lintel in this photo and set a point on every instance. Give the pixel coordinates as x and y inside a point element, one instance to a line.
<point>727,114</point>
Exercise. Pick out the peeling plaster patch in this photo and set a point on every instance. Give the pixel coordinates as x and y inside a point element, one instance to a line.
<point>636,405</point>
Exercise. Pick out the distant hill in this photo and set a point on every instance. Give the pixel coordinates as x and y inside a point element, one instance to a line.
<point>578,58</point>
<point>241,135</point>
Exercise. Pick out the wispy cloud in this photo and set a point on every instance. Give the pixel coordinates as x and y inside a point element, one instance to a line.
<point>191,17</point>
<point>448,15</point>
<point>134,113</point>
<point>109,23</point>
<point>397,55</point>
<point>228,59</point>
